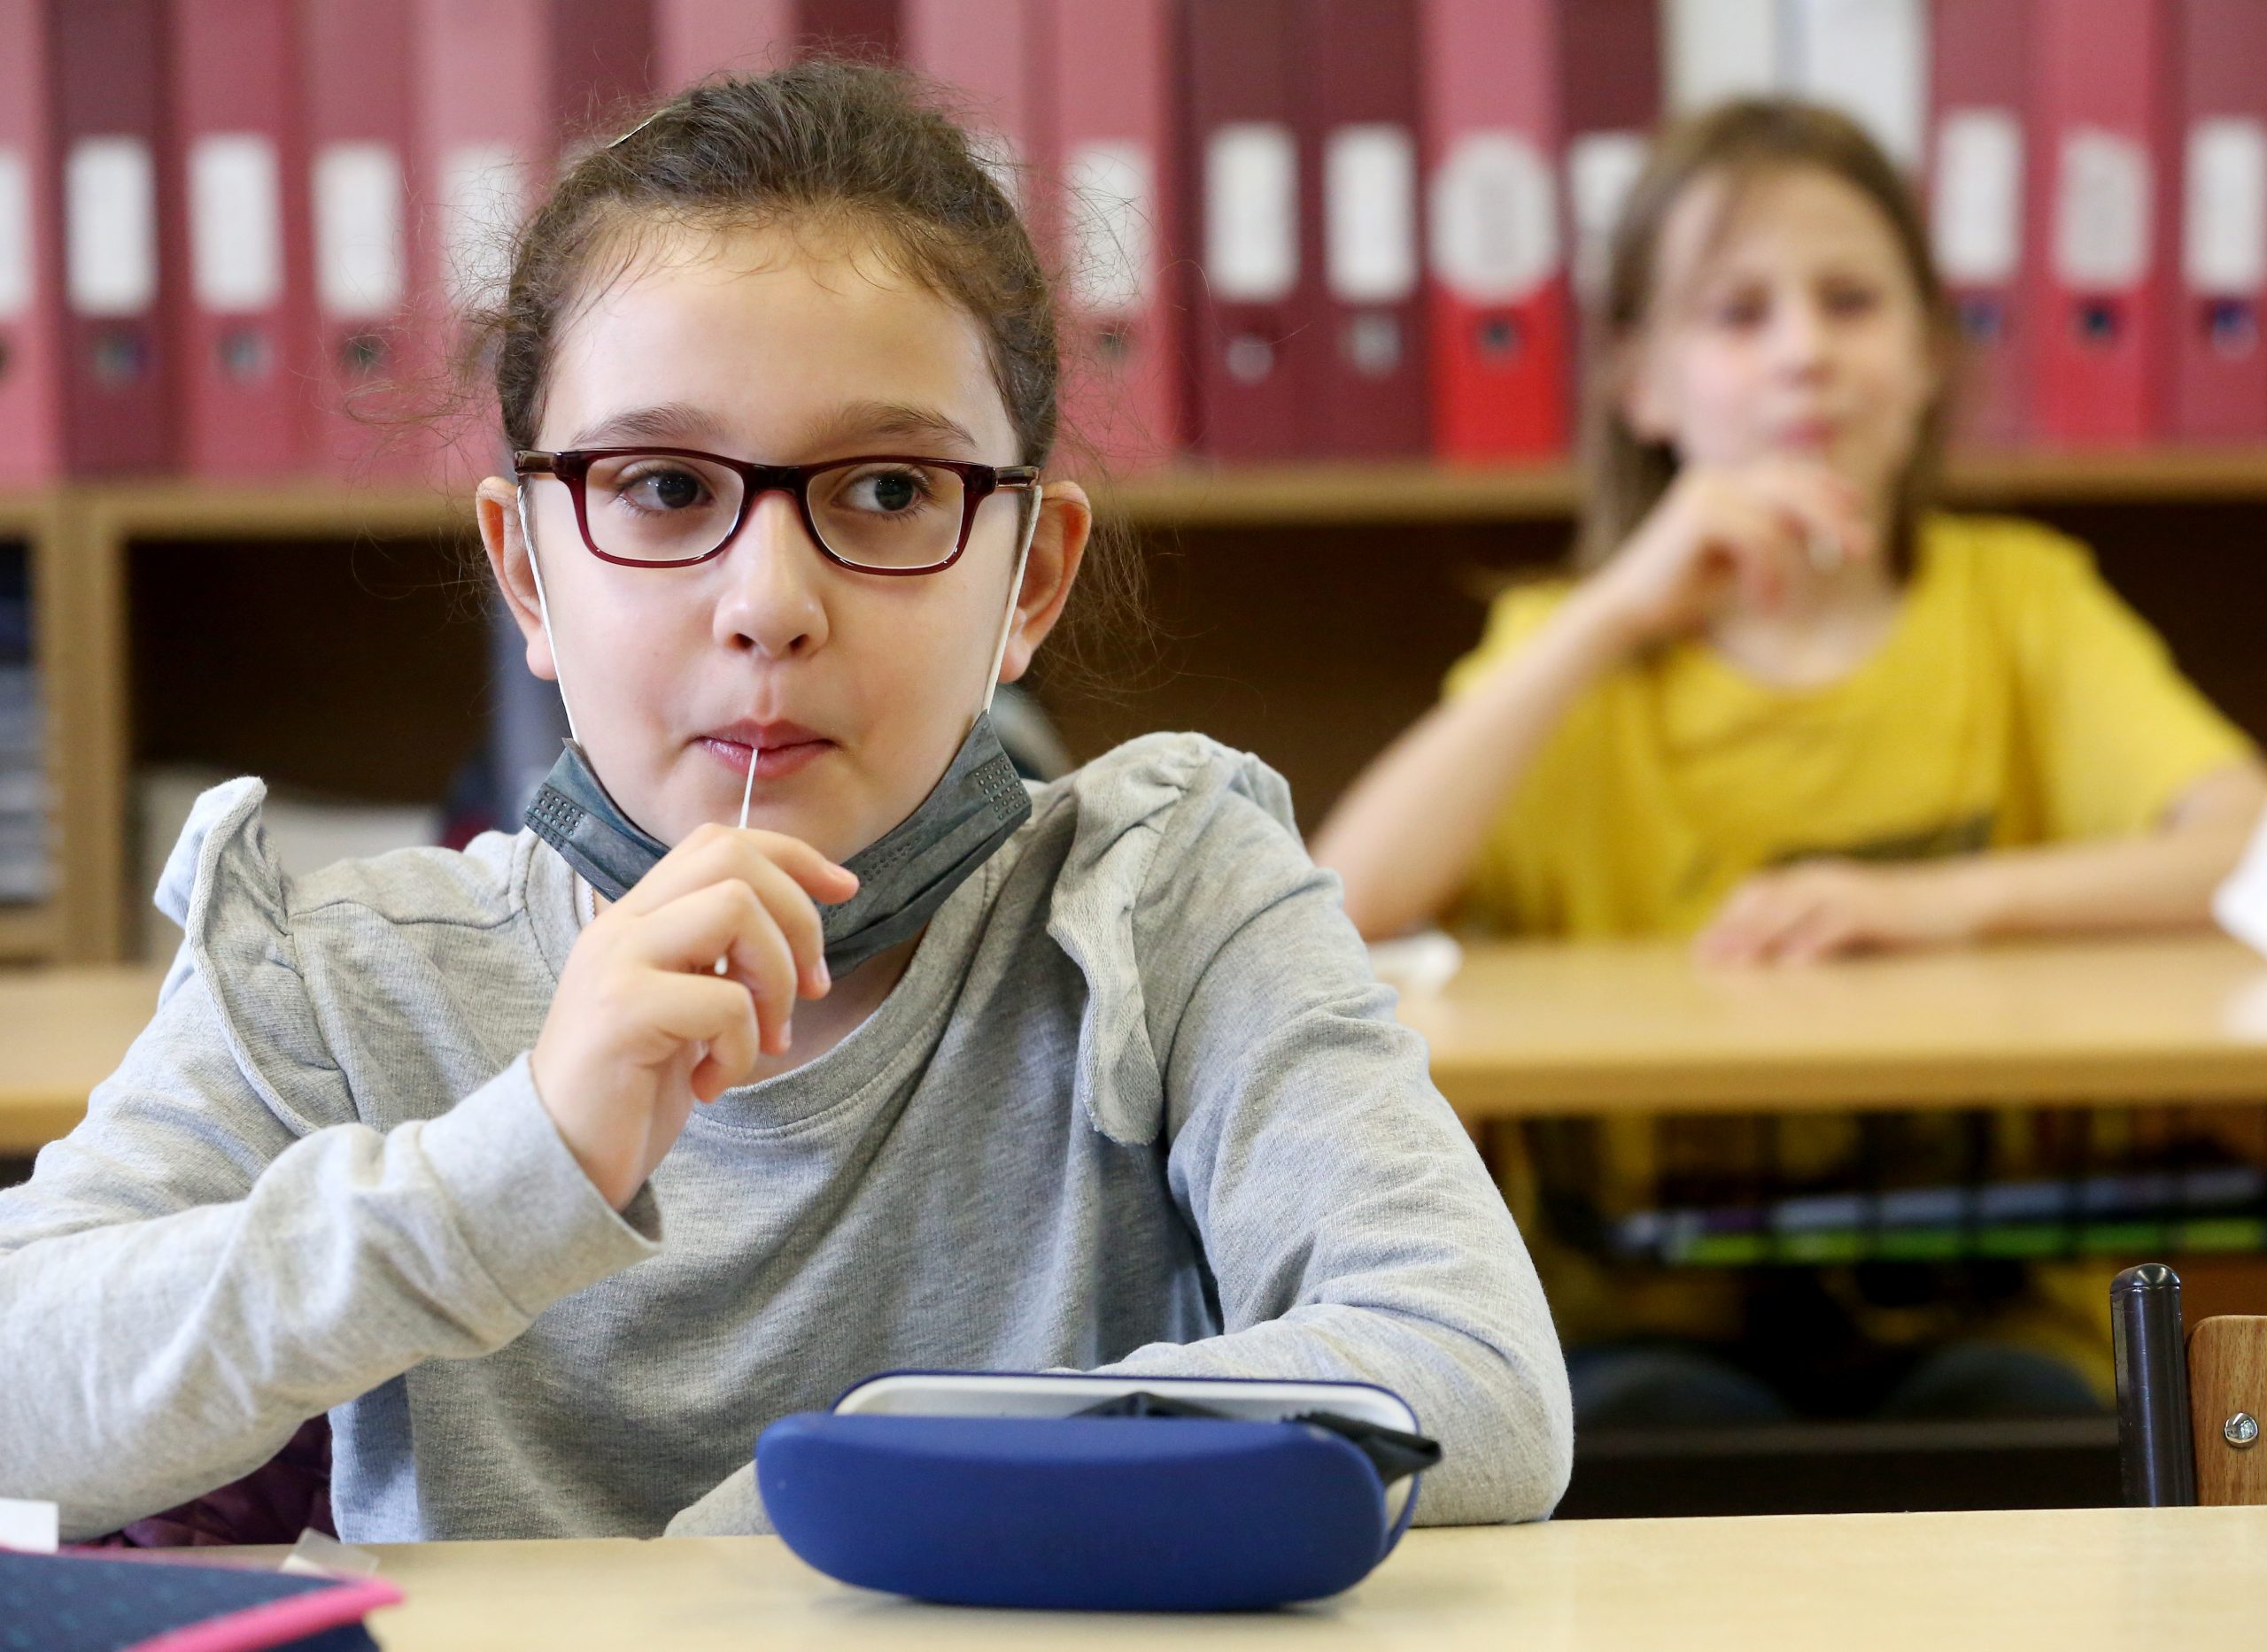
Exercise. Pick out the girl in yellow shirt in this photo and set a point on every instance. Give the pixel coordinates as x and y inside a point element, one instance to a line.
<point>1783,706</point>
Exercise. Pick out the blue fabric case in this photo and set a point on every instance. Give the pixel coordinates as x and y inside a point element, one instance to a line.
<point>1082,1512</point>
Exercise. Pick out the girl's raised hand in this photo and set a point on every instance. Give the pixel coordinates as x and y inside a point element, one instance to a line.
<point>1720,531</point>
<point>643,1025</point>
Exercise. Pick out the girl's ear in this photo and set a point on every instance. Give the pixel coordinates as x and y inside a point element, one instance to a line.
<point>497,504</point>
<point>1058,544</point>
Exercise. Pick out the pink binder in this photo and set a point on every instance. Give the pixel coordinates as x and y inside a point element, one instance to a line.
<point>360,112</point>
<point>246,323</point>
<point>122,235</point>
<point>2102,219</point>
<point>31,252</point>
<point>503,88</point>
<point>2219,390</point>
<point>1497,272</point>
<point>1117,162</point>
<point>1978,132</point>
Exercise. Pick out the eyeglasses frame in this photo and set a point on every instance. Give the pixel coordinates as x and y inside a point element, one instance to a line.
<point>572,468</point>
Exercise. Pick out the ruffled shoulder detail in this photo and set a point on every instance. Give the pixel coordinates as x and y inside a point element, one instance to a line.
<point>1135,818</point>
<point>223,885</point>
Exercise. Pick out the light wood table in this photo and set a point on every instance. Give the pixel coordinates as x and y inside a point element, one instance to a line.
<point>62,1032</point>
<point>1532,1029</point>
<point>2071,1579</point>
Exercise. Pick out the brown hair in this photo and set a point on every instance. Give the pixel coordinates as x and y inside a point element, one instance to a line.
<point>1740,143</point>
<point>829,145</point>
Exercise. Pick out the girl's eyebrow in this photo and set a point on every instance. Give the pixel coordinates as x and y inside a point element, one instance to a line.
<point>668,424</point>
<point>889,420</point>
<point>682,424</point>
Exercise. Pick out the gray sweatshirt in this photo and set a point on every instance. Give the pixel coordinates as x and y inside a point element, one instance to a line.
<point>1137,1105</point>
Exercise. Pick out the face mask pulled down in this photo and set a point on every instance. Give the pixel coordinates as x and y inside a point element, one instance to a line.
<point>904,876</point>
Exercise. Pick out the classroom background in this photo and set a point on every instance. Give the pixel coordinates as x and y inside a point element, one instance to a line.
<point>1323,266</point>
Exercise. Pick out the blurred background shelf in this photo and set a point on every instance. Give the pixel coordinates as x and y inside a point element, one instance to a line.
<point>341,638</point>
<point>1352,494</point>
<point>1189,496</point>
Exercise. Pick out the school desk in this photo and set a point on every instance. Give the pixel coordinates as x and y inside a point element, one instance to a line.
<point>1589,1029</point>
<point>62,1032</point>
<point>1532,1029</point>
<point>2074,1580</point>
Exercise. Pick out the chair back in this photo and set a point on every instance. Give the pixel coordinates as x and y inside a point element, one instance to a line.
<point>2192,1407</point>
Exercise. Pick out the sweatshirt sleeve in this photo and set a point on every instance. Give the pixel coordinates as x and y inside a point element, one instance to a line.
<point>1349,1227</point>
<point>200,1267</point>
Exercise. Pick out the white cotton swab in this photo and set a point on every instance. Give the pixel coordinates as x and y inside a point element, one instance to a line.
<point>747,790</point>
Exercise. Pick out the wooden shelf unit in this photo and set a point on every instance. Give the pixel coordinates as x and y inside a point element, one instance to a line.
<point>1284,495</point>
<point>82,538</point>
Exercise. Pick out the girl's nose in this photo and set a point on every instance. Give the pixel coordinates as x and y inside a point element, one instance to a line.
<point>1800,337</point>
<point>770,603</point>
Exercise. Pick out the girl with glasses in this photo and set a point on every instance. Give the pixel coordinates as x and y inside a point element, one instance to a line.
<point>556,1170</point>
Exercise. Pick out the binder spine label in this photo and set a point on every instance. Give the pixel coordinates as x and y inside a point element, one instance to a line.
<point>110,240</point>
<point>360,264</point>
<point>2101,219</point>
<point>1979,196</point>
<point>2226,244</point>
<point>1370,214</point>
<point>236,223</point>
<point>1601,167</point>
<point>480,209</point>
<point>1251,212</point>
<point>17,263</point>
<point>1112,189</point>
<point>1494,219</point>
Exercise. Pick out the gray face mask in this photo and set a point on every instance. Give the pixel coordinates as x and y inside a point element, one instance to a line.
<point>904,876</point>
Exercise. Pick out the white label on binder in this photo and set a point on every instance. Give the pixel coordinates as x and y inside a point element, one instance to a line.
<point>236,223</point>
<point>1251,212</point>
<point>1979,196</point>
<point>16,263</point>
<point>109,193</point>
<point>1369,175</point>
<point>1600,168</point>
<point>1720,48</point>
<point>2102,212</point>
<point>1111,215</point>
<point>1869,59</point>
<point>1495,218</point>
<point>2226,208</point>
<point>480,208</point>
<point>360,258</point>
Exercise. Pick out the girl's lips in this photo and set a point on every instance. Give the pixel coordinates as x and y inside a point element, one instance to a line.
<point>774,762</point>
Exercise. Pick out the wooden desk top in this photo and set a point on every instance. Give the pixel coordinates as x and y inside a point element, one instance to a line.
<point>2071,1579</point>
<point>62,1032</point>
<point>1542,1029</point>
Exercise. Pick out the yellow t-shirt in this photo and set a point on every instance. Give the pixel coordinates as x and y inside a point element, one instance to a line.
<point>2015,700</point>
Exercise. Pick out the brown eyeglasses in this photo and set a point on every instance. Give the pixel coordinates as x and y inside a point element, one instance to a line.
<point>673,506</point>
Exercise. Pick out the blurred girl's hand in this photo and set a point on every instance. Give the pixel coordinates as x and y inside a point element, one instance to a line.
<point>1822,909</point>
<point>1726,533</point>
<point>642,1025</point>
